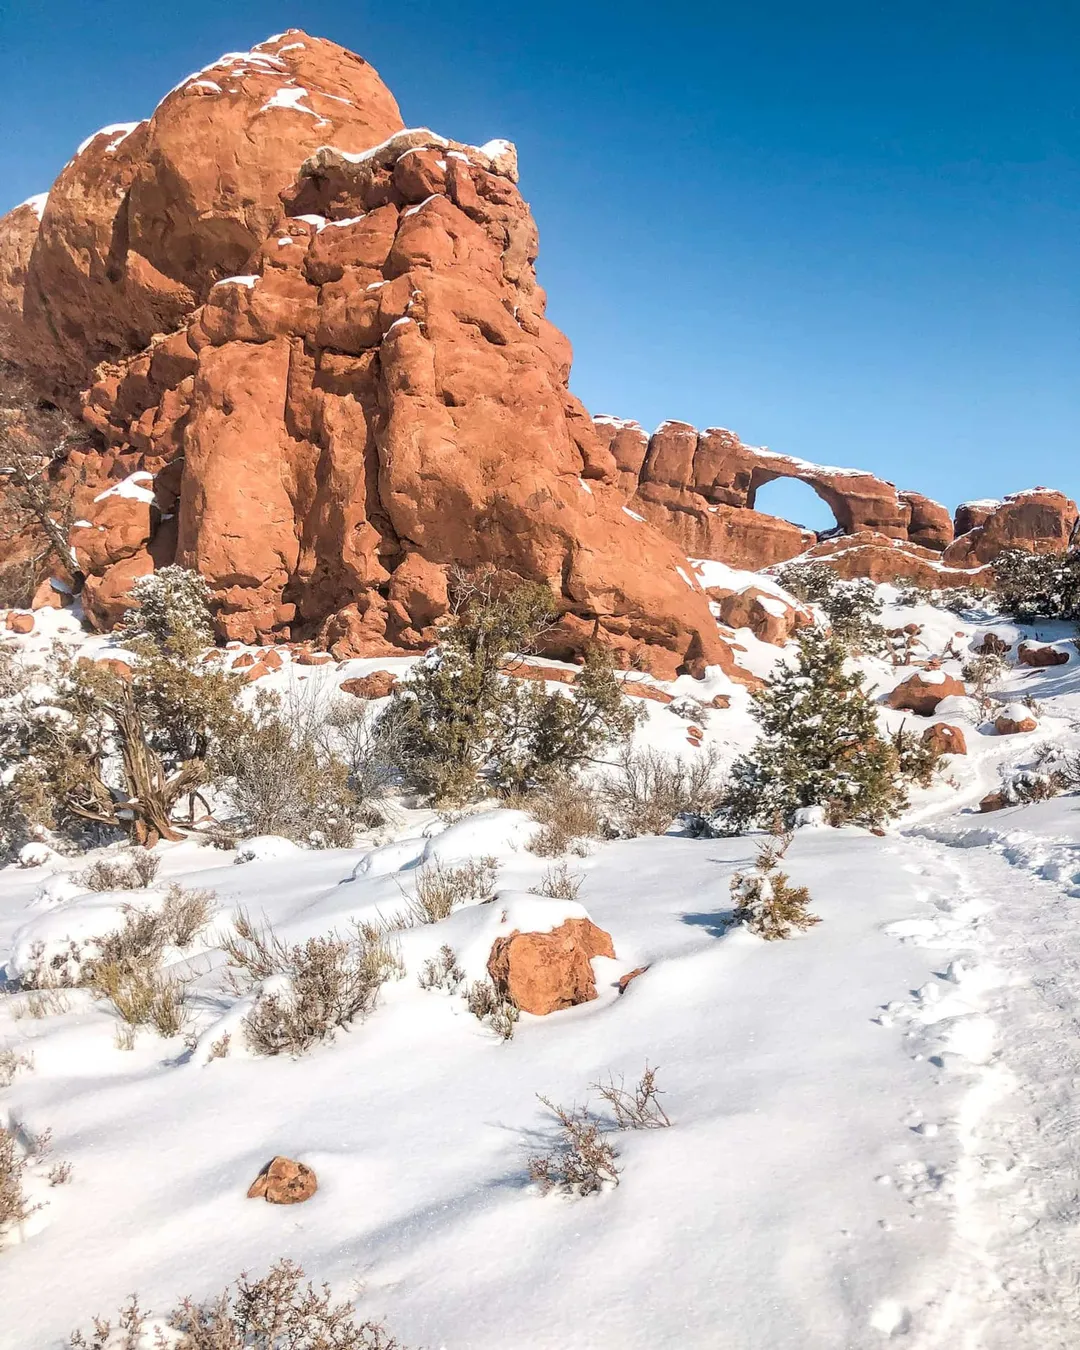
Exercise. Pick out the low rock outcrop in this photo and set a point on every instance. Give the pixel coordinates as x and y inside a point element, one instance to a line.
<point>1015,721</point>
<point>921,693</point>
<point>1029,654</point>
<point>543,972</point>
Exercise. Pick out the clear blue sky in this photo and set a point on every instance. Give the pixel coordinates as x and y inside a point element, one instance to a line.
<point>850,231</point>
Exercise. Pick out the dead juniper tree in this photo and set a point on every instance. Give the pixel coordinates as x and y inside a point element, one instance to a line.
<point>35,438</point>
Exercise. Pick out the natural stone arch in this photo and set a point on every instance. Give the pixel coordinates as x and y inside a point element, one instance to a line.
<point>836,501</point>
<point>786,505</point>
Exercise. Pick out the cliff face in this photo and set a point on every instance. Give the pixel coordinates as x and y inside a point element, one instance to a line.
<point>313,347</point>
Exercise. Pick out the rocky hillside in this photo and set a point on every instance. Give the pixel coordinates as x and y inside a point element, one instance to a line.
<point>310,352</point>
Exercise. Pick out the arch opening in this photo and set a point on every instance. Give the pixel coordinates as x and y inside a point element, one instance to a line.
<point>793,500</point>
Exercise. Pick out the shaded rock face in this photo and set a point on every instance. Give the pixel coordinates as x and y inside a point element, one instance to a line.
<point>18,230</point>
<point>543,972</point>
<point>147,216</point>
<point>378,398</point>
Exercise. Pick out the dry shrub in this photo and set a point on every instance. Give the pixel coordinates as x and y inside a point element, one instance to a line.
<point>277,1312</point>
<point>133,872</point>
<point>18,1147</point>
<point>442,887</point>
<point>650,790</point>
<point>442,971</point>
<point>15,1208</point>
<point>333,980</point>
<point>765,901</point>
<point>580,1161</point>
<point>486,1003</point>
<point>141,995</point>
<point>568,813</point>
<point>10,1064</point>
<point>559,883</point>
<point>637,1108</point>
<point>184,913</point>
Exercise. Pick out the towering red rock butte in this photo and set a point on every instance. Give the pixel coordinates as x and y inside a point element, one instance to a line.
<point>313,351</point>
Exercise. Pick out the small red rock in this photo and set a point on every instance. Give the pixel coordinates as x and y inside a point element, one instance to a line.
<point>625,980</point>
<point>242,662</point>
<point>20,623</point>
<point>922,696</point>
<point>944,739</point>
<point>283,1182</point>
<point>257,671</point>
<point>379,684</point>
<point>1014,726</point>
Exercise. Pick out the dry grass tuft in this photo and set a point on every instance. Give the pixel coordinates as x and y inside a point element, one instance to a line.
<point>442,972</point>
<point>441,888</point>
<point>559,883</point>
<point>569,814</point>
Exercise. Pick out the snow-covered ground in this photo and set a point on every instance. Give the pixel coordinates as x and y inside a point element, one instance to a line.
<point>873,1123</point>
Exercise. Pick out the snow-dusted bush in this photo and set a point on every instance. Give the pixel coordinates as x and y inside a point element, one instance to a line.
<point>316,986</point>
<point>650,790</point>
<point>916,760</point>
<point>853,608</point>
<point>277,1312</point>
<point>172,611</point>
<point>956,599</point>
<point>765,901</point>
<point>282,779</point>
<point>1038,585</point>
<point>463,728</point>
<point>581,1159</point>
<point>15,1207</point>
<point>819,745</point>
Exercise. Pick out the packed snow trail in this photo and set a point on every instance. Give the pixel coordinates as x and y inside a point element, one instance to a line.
<point>1012,1278</point>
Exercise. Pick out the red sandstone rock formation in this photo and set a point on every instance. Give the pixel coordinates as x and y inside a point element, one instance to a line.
<point>1039,657</point>
<point>284,1182</point>
<point>1040,520</point>
<point>379,398</point>
<point>332,383</point>
<point>18,230</point>
<point>147,216</point>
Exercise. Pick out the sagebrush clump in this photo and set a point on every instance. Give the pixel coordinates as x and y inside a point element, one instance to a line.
<point>331,981</point>
<point>649,790</point>
<point>276,1312</point>
<point>581,1159</point>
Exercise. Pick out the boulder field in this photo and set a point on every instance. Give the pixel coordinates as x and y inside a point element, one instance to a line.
<point>312,357</point>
